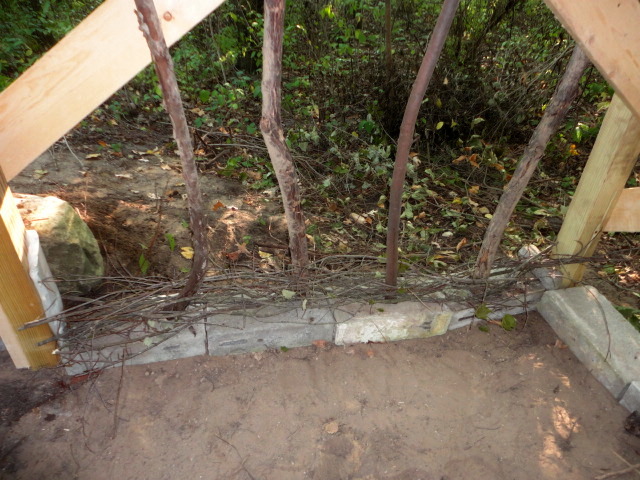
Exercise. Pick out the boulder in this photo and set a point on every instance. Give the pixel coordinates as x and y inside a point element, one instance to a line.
<point>70,248</point>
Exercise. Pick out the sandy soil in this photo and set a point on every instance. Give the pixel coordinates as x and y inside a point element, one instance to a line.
<point>467,405</point>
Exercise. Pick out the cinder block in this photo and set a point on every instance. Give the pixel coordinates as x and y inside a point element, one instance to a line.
<point>232,334</point>
<point>551,279</point>
<point>603,340</point>
<point>631,397</point>
<point>380,322</point>
<point>189,342</point>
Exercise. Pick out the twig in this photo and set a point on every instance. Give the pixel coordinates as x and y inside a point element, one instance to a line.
<point>618,472</point>
<point>238,453</point>
<point>117,404</point>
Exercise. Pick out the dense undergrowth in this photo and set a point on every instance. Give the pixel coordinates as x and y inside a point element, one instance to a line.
<point>344,94</point>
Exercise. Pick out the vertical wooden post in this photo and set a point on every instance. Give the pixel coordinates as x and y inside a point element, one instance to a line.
<point>19,300</point>
<point>610,164</point>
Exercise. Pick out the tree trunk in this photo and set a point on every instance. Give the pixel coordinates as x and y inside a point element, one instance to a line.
<point>388,58</point>
<point>436,43</point>
<point>150,27</point>
<point>553,116</point>
<point>272,132</point>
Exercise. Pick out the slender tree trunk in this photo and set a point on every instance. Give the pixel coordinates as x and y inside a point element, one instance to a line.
<point>150,27</point>
<point>436,43</point>
<point>388,58</point>
<point>273,134</point>
<point>553,116</point>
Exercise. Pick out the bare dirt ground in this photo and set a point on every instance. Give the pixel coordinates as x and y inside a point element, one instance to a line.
<point>466,405</point>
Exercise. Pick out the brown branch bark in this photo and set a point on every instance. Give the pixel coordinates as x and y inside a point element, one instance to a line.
<point>273,134</point>
<point>436,43</point>
<point>553,116</point>
<point>150,26</point>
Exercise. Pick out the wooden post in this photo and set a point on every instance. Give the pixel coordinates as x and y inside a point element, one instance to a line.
<point>610,164</point>
<point>19,301</point>
<point>625,216</point>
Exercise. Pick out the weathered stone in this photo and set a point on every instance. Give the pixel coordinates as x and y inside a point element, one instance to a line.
<point>69,246</point>
<point>361,323</point>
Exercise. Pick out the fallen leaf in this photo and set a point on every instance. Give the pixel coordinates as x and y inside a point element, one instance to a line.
<point>288,294</point>
<point>370,353</point>
<point>475,189</point>
<point>242,248</point>
<point>165,166</point>
<point>197,111</point>
<point>461,244</point>
<point>559,344</point>
<point>459,160</point>
<point>264,254</point>
<point>473,160</point>
<point>331,427</point>
<point>233,256</point>
<point>218,205</point>
<point>322,344</point>
<point>102,143</point>
<point>128,176</point>
<point>187,252</point>
<point>38,174</point>
<point>93,156</point>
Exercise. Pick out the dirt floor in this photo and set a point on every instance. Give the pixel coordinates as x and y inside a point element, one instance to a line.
<point>466,405</point>
<point>134,199</point>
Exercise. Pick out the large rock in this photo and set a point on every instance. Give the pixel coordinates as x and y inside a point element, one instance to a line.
<point>69,246</point>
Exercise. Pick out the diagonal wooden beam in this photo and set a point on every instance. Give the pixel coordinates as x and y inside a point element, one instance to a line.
<point>80,72</point>
<point>609,32</point>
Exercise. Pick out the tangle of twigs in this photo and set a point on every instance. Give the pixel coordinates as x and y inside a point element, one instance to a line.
<point>138,310</point>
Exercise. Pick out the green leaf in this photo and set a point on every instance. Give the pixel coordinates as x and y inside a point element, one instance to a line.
<point>144,264</point>
<point>171,240</point>
<point>288,294</point>
<point>483,328</point>
<point>439,125</point>
<point>508,322</point>
<point>284,349</point>
<point>482,312</point>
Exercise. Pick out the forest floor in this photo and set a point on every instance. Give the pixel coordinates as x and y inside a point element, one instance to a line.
<point>469,404</point>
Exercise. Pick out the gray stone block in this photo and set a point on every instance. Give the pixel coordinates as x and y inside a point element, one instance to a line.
<point>233,334</point>
<point>631,397</point>
<point>596,333</point>
<point>188,342</point>
<point>550,278</point>
<point>382,322</point>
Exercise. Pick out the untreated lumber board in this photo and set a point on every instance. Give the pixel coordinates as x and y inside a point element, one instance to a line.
<point>625,216</point>
<point>609,32</point>
<point>19,301</point>
<point>80,72</point>
<point>609,166</point>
